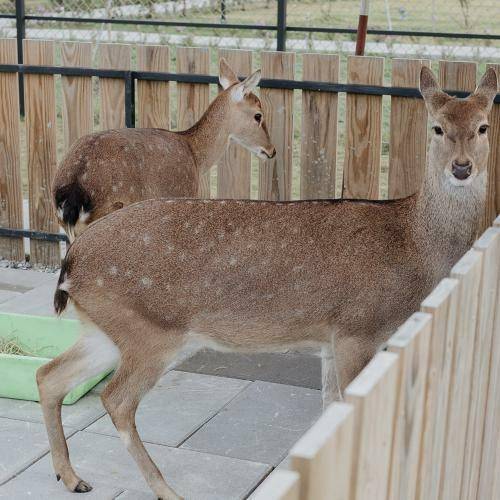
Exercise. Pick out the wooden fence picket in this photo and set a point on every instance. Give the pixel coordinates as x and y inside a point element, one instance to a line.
<point>408,138</point>
<point>153,98</point>
<point>193,98</point>
<point>77,110</point>
<point>322,456</point>
<point>411,344</point>
<point>442,305</point>
<point>40,112</point>
<point>275,177</point>
<point>363,136</point>
<point>234,169</point>
<point>318,158</point>
<point>373,396</point>
<point>489,482</point>
<point>112,90</point>
<point>11,203</point>
<point>468,272</point>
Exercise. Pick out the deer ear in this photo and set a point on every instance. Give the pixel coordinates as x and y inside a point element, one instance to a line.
<point>227,76</point>
<point>487,89</point>
<point>246,86</point>
<point>433,96</point>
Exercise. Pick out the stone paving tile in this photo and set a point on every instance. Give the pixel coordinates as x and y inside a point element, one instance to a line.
<point>6,295</point>
<point>261,424</point>
<point>177,406</point>
<point>21,443</point>
<point>43,486</point>
<point>38,301</point>
<point>195,476</point>
<point>22,280</point>
<point>300,369</point>
<point>79,415</point>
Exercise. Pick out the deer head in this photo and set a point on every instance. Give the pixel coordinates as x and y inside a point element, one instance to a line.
<point>247,126</point>
<point>459,144</point>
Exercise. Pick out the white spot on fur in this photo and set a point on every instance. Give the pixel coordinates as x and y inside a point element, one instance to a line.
<point>147,239</point>
<point>84,176</point>
<point>232,261</point>
<point>100,282</point>
<point>113,270</point>
<point>114,189</point>
<point>147,282</point>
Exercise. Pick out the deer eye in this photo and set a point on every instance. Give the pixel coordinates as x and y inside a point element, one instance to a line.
<point>438,130</point>
<point>258,117</point>
<point>483,129</point>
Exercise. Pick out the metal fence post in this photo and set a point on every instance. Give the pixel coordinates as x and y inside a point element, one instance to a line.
<point>281,35</point>
<point>20,34</point>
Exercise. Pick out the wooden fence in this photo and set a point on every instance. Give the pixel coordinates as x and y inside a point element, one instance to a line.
<point>422,420</point>
<point>336,142</point>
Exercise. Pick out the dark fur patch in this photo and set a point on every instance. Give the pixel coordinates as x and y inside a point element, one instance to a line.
<point>71,199</point>
<point>61,296</point>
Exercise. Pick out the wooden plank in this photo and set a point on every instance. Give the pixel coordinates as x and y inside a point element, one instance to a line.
<point>493,197</point>
<point>275,175</point>
<point>441,304</point>
<point>40,112</point>
<point>457,75</point>
<point>318,160</point>
<point>411,344</point>
<point>234,169</point>
<point>193,98</point>
<point>280,485</point>
<point>323,456</point>
<point>112,90</point>
<point>11,202</point>
<point>153,98</point>
<point>489,482</point>
<point>408,131</point>
<point>373,395</point>
<point>77,110</point>
<point>363,134</point>
<point>489,246</point>
<point>468,272</point>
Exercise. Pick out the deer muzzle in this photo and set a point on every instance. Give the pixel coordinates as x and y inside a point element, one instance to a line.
<point>461,171</point>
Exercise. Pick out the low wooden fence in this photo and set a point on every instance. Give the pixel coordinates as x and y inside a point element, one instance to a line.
<point>422,420</point>
<point>325,165</point>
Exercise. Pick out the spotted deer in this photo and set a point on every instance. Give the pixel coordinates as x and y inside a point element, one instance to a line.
<point>341,275</point>
<point>108,170</point>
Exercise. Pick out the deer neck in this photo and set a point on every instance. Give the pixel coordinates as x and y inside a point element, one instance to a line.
<point>209,136</point>
<point>448,217</point>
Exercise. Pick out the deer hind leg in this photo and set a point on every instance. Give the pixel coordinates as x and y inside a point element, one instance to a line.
<point>92,354</point>
<point>330,383</point>
<point>141,366</point>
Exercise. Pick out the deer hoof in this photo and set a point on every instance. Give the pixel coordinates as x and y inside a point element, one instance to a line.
<point>58,477</point>
<point>82,487</point>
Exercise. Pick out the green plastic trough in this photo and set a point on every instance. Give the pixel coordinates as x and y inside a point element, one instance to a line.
<point>45,337</point>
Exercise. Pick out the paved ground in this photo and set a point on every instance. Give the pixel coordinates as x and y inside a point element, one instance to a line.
<point>216,426</point>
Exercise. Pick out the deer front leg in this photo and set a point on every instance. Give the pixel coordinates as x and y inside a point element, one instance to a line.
<point>121,398</point>
<point>330,385</point>
<point>91,355</point>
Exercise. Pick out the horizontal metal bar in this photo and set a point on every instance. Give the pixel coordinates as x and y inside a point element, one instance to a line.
<point>7,16</point>
<point>34,235</point>
<point>151,22</point>
<point>434,34</point>
<point>208,79</point>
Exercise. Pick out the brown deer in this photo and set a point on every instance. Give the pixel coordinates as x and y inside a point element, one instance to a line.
<point>108,170</point>
<point>253,275</point>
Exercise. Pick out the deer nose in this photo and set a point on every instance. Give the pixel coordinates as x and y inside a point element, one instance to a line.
<point>461,170</point>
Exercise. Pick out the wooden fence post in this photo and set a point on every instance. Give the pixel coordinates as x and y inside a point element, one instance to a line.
<point>468,272</point>
<point>442,305</point>
<point>373,394</point>
<point>153,103</point>
<point>280,485</point>
<point>411,344</point>
<point>11,202</point>
<point>112,90</point>
<point>275,178</point>
<point>193,98</point>
<point>363,134</point>
<point>318,158</point>
<point>234,169</point>
<point>323,456</point>
<point>40,108</point>
<point>77,110</point>
<point>408,131</point>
